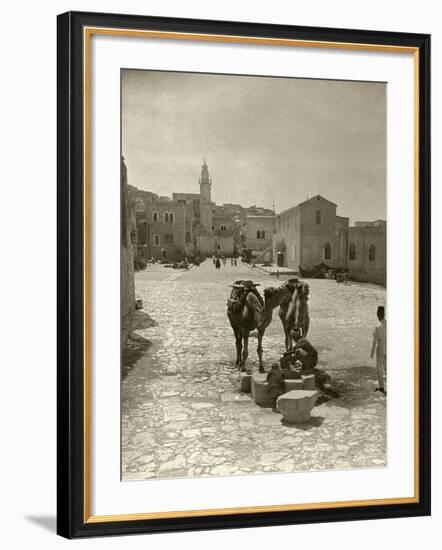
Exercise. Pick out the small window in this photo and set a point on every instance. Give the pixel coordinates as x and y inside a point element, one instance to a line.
<point>352,252</point>
<point>327,252</point>
<point>168,238</point>
<point>372,253</point>
<point>156,240</point>
<point>166,217</point>
<point>171,217</point>
<point>318,217</point>
<point>223,228</point>
<point>155,216</point>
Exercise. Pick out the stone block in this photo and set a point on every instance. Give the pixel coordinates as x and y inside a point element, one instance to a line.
<point>293,385</point>
<point>245,382</point>
<point>295,406</point>
<point>309,382</point>
<point>259,388</point>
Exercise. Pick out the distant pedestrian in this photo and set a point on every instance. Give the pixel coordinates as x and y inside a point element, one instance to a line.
<point>224,260</point>
<point>234,262</point>
<point>380,346</point>
<point>231,261</point>
<point>217,264</point>
<point>214,259</point>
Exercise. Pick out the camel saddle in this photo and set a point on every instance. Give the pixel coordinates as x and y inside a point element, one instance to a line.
<point>238,295</point>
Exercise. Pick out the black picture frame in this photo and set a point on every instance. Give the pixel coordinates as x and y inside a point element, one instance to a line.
<point>72,521</point>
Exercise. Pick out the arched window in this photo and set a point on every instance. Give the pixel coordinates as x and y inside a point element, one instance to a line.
<point>258,234</point>
<point>155,216</point>
<point>318,217</point>
<point>327,252</point>
<point>352,252</point>
<point>171,217</point>
<point>166,216</point>
<point>372,253</point>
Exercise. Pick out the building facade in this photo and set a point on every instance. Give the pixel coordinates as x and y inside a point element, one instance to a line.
<point>311,234</point>
<point>164,230</point>
<point>367,252</point>
<point>258,235</point>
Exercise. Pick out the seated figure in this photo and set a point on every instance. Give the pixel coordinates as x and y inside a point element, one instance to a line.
<point>275,379</point>
<point>303,358</point>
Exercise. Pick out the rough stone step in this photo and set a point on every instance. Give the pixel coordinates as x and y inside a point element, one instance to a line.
<point>309,382</point>
<point>245,382</point>
<point>259,388</point>
<point>295,406</point>
<point>293,384</point>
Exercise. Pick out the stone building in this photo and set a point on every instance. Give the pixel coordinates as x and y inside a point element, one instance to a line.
<point>128,239</point>
<point>258,235</point>
<point>311,233</point>
<point>367,251</point>
<point>165,230</point>
<point>199,225</point>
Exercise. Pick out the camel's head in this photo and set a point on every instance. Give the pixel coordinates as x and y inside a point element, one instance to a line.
<point>303,289</point>
<point>274,296</point>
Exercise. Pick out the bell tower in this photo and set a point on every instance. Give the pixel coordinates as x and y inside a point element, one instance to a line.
<point>206,214</point>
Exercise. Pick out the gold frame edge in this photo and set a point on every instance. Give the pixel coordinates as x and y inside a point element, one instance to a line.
<point>87,33</point>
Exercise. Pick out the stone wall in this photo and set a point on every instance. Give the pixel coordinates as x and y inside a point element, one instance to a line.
<point>366,267</point>
<point>224,245</point>
<point>290,231</point>
<point>165,230</point>
<point>261,224</point>
<point>128,226</point>
<point>315,236</point>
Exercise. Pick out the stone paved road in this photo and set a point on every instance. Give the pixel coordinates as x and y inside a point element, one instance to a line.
<point>182,414</point>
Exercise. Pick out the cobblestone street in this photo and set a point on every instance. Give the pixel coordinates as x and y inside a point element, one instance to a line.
<point>182,413</point>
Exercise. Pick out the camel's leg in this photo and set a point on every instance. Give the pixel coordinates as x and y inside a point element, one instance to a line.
<point>306,325</point>
<point>286,341</point>
<point>259,349</point>
<point>245,351</point>
<point>288,336</point>
<point>238,341</point>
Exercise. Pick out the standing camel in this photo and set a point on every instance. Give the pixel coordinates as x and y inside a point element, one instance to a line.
<point>295,313</point>
<point>251,312</point>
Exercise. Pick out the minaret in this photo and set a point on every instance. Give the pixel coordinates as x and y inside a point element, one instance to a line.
<point>206,214</point>
<point>205,184</point>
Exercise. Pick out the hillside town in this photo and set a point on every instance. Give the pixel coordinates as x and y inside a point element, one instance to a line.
<point>305,237</point>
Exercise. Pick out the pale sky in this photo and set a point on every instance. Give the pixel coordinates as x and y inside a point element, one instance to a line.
<point>261,136</point>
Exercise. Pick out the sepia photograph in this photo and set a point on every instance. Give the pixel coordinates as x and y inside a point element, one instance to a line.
<point>253,275</point>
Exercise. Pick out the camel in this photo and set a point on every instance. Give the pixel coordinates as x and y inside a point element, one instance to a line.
<point>250,313</point>
<point>295,313</point>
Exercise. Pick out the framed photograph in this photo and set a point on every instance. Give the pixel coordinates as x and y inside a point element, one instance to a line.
<point>241,207</point>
